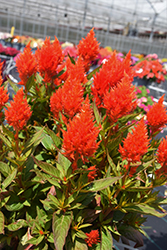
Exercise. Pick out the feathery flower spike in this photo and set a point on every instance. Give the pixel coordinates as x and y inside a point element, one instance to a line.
<point>93,238</point>
<point>157,116</point>
<point>19,112</point>
<point>88,48</point>
<point>48,58</point>
<point>110,75</point>
<point>26,65</point>
<point>136,144</point>
<point>3,92</point>
<point>80,139</point>
<point>120,100</point>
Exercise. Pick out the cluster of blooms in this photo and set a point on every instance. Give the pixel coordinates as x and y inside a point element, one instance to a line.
<point>112,92</point>
<point>150,68</point>
<point>144,100</point>
<point>3,92</point>
<point>93,238</point>
<point>8,51</point>
<point>19,112</point>
<point>162,157</point>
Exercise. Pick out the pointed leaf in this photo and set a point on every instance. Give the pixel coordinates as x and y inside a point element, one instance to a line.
<point>101,184</point>
<point>35,139</point>
<point>80,245</point>
<point>63,164</point>
<point>4,169</point>
<point>144,209</point>
<point>48,168</point>
<point>106,239</point>
<point>5,140</point>
<point>92,73</point>
<point>60,226</point>
<point>55,138</point>
<point>30,82</point>
<point>17,225</point>
<point>9,179</point>
<point>96,113</point>
<point>2,221</point>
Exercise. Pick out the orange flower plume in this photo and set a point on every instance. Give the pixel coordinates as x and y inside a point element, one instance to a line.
<point>162,157</point>
<point>48,58</point>
<point>80,139</point>
<point>76,70</point>
<point>19,111</point>
<point>157,116</point>
<point>136,144</point>
<point>93,238</point>
<point>110,75</point>
<point>120,100</point>
<point>3,92</point>
<point>26,65</point>
<point>88,48</point>
<point>67,99</point>
<point>92,174</point>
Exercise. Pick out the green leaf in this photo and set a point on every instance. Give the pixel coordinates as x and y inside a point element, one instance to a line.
<point>17,225</point>
<point>13,85</point>
<point>96,113</point>
<point>61,72</point>
<point>63,164</point>
<point>55,138</point>
<point>8,132</point>
<point>60,226</point>
<point>4,169</point>
<point>5,140</point>
<point>92,73</point>
<point>34,140</point>
<point>48,168</point>
<point>106,239</point>
<point>9,179</point>
<point>14,203</point>
<point>71,59</point>
<point>80,245</point>
<point>112,165</point>
<point>30,82</point>
<point>143,209</point>
<point>101,184</point>
<point>46,141</point>
<point>2,221</point>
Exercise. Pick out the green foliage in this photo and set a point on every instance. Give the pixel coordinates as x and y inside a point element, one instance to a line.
<point>46,202</point>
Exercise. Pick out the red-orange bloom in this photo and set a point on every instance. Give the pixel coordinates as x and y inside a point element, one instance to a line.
<point>110,75</point>
<point>3,92</point>
<point>49,57</point>
<point>88,48</point>
<point>93,238</point>
<point>67,99</point>
<point>19,111</point>
<point>80,139</point>
<point>162,157</point>
<point>75,71</point>
<point>120,100</point>
<point>136,144</point>
<point>157,116</point>
<point>92,174</point>
<point>26,65</point>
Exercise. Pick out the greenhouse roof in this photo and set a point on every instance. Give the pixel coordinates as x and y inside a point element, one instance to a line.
<point>145,15</point>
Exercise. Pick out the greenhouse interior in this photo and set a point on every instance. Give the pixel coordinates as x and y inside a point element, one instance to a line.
<point>83,115</point>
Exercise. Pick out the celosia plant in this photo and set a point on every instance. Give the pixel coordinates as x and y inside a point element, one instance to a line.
<point>77,168</point>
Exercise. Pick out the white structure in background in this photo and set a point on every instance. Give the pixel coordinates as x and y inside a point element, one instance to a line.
<point>139,25</point>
